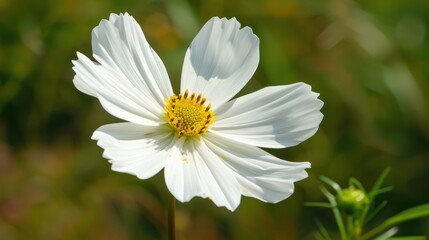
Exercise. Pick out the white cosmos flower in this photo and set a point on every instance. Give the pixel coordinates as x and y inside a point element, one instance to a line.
<point>207,144</point>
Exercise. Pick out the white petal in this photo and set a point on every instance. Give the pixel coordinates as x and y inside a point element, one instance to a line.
<point>119,43</point>
<point>220,61</point>
<point>193,170</point>
<point>180,173</point>
<point>135,149</point>
<point>129,78</point>
<point>259,174</point>
<point>273,117</point>
<point>118,98</point>
<point>82,86</point>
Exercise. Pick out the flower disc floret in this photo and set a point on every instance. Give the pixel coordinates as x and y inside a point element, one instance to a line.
<point>188,114</point>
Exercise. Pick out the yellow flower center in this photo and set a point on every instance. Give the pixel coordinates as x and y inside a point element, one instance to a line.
<point>188,114</point>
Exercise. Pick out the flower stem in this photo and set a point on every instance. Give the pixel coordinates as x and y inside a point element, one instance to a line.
<point>172,219</point>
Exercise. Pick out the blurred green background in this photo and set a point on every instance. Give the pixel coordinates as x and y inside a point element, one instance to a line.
<point>369,60</point>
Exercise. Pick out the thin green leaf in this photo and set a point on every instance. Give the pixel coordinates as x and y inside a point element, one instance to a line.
<point>408,238</point>
<point>318,204</point>
<point>339,220</point>
<point>409,214</point>
<point>379,182</point>
<point>318,236</point>
<point>322,231</point>
<point>328,195</point>
<point>354,182</point>
<point>331,183</point>
<point>389,233</point>
<point>335,210</point>
<point>380,191</point>
<point>375,211</point>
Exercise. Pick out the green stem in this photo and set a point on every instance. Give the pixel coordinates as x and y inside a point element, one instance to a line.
<point>340,223</point>
<point>172,219</point>
<point>357,229</point>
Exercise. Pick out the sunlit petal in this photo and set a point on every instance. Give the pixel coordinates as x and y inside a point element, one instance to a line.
<point>220,61</point>
<point>259,174</point>
<point>135,149</point>
<point>199,172</point>
<point>273,117</point>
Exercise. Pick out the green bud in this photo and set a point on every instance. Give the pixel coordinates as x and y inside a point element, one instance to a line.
<point>352,201</point>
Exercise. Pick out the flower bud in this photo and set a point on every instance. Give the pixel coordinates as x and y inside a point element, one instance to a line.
<point>352,201</point>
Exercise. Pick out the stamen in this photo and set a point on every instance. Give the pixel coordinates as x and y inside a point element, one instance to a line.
<point>188,115</point>
<point>208,107</point>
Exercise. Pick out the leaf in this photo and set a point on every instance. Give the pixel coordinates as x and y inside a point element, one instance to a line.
<point>335,210</point>
<point>354,182</point>
<point>339,220</point>
<point>377,185</point>
<point>328,195</point>
<point>322,230</point>
<point>375,211</point>
<point>389,233</point>
<point>380,191</point>
<point>318,204</point>
<point>409,214</point>
<point>409,238</point>
<point>331,183</point>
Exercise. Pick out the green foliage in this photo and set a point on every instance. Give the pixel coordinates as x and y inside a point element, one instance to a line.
<point>353,207</point>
